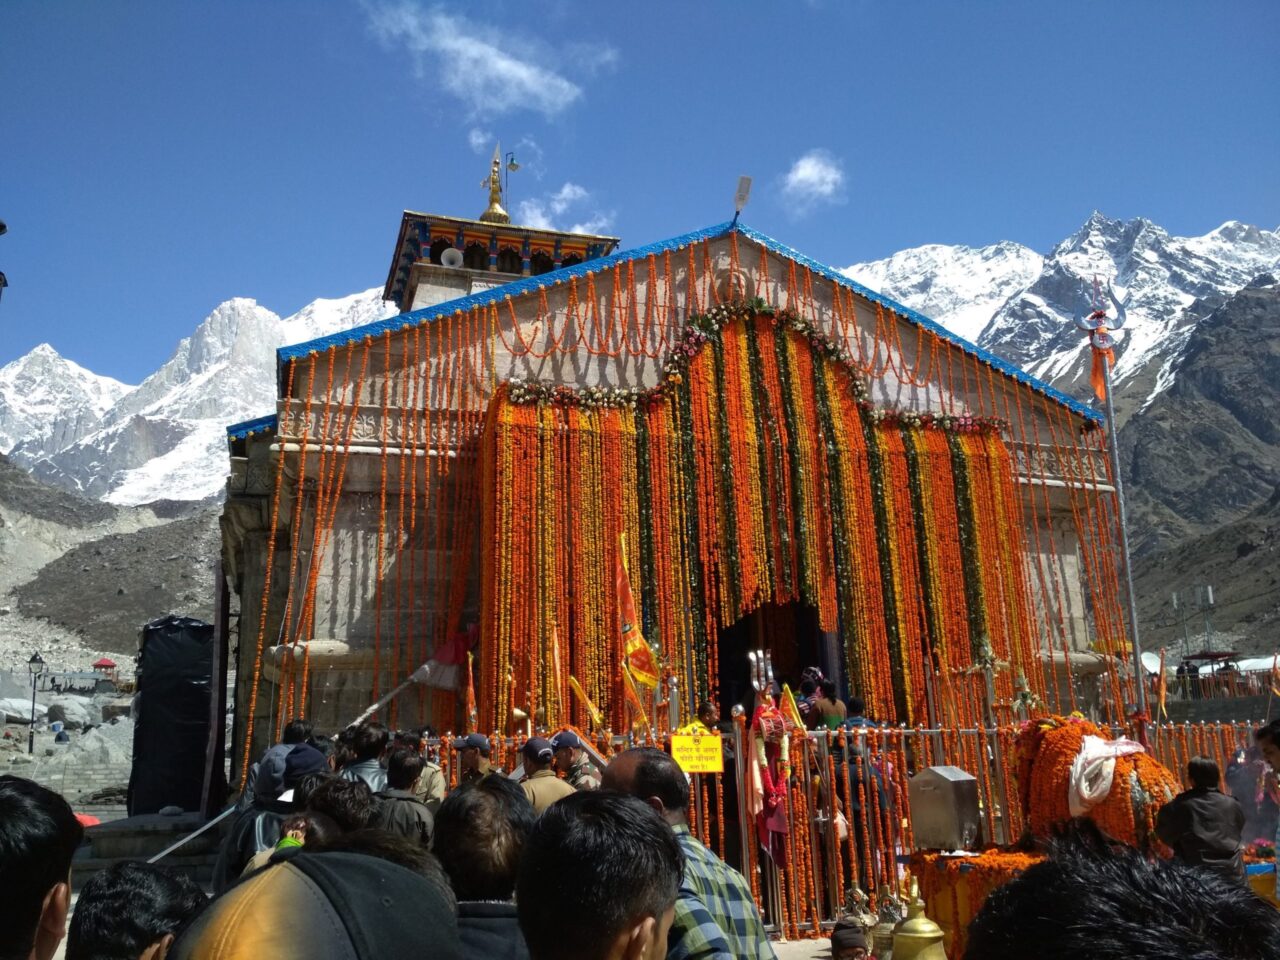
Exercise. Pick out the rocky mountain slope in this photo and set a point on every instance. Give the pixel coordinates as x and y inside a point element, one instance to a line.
<point>166,437</point>
<point>38,525</point>
<point>1207,449</point>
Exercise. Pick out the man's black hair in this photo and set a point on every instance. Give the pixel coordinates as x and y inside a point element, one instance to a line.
<point>349,802</point>
<point>1203,773</point>
<point>657,775</point>
<point>392,848</point>
<point>480,833</point>
<point>370,741</point>
<point>403,767</point>
<point>1270,732</point>
<point>857,706</point>
<point>296,730</point>
<point>608,855</point>
<point>807,688</point>
<point>705,707</point>
<point>38,836</point>
<point>306,786</point>
<point>127,907</point>
<point>1108,902</point>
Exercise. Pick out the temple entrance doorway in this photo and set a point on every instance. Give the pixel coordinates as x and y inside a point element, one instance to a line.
<point>791,634</point>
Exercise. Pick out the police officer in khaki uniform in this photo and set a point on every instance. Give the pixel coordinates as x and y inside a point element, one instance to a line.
<point>572,762</point>
<point>540,784</point>
<point>473,758</point>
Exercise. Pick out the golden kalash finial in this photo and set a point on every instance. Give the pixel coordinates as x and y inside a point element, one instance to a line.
<point>917,937</point>
<point>495,213</point>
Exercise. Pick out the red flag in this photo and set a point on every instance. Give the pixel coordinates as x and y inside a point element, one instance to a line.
<point>639,657</point>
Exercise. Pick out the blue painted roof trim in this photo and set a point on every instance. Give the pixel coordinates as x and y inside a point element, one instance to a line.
<point>529,284</point>
<point>238,431</point>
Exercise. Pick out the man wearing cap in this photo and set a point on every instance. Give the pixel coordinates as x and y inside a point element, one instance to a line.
<point>473,757</point>
<point>326,906</point>
<point>541,785</point>
<point>848,941</point>
<point>572,762</point>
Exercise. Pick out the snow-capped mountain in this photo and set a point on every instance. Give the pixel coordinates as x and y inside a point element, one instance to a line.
<point>166,438</point>
<point>47,399</point>
<point>960,287</point>
<point>1020,306</point>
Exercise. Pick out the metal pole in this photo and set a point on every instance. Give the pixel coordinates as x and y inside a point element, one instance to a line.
<point>1139,675</point>
<point>31,735</point>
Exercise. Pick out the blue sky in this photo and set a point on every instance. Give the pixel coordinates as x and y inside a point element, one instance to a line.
<point>159,157</point>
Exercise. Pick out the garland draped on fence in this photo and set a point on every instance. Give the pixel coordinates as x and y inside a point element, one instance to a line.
<point>755,472</point>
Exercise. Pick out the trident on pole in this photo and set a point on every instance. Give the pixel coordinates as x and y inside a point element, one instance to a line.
<point>1098,327</point>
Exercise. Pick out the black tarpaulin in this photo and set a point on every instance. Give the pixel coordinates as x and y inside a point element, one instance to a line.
<point>171,732</point>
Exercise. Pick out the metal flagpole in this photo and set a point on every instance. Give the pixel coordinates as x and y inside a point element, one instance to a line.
<point>1139,672</point>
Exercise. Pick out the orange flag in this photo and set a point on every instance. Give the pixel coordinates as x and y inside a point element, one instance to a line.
<point>473,717</point>
<point>639,657</point>
<point>633,698</point>
<point>789,708</point>
<point>1097,374</point>
<point>1162,686</point>
<point>586,702</point>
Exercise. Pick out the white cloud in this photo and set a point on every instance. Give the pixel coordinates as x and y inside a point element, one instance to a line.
<point>816,177</point>
<point>597,224</point>
<point>533,213</point>
<point>493,74</point>
<point>546,212</point>
<point>566,197</point>
<point>481,141</point>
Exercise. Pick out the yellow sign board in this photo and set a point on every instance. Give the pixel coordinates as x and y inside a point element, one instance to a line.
<point>698,753</point>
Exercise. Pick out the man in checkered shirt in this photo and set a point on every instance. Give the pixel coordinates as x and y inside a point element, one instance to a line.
<point>716,916</point>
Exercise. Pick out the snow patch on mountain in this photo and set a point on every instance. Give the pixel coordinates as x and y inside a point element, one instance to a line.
<point>47,399</point>
<point>960,287</point>
<point>1019,304</point>
<point>166,438</point>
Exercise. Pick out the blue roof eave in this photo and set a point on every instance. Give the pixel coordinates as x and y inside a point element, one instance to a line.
<point>529,284</point>
<point>238,431</point>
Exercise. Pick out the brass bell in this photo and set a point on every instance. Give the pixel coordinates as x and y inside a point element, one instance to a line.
<point>917,937</point>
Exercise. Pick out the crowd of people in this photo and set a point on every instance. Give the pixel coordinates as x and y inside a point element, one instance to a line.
<point>354,847</point>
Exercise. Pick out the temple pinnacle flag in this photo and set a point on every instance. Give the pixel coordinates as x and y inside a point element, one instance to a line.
<point>473,717</point>
<point>639,657</point>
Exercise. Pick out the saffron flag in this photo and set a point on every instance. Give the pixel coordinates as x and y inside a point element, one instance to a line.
<point>790,711</point>
<point>558,677</point>
<point>586,702</point>
<point>633,698</point>
<point>639,657</point>
<point>473,717</point>
<point>1097,373</point>
<point>1162,686</point>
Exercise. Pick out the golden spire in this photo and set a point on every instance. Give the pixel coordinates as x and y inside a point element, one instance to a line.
<point>495,213</point>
